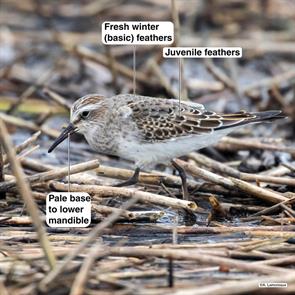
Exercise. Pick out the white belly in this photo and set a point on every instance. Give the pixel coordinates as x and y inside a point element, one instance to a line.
<point>144,154</point>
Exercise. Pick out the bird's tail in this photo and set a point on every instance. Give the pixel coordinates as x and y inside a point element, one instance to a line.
<point>243,118</point>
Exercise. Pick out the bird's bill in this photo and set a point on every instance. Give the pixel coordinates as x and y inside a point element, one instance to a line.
<point>64,134</point>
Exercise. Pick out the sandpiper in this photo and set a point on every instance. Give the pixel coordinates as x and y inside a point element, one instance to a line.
<point>149,130</point>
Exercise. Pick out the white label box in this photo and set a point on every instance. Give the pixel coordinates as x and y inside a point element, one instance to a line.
<point>65,209</point>
<point>202,52</point>
<point>137,33</point>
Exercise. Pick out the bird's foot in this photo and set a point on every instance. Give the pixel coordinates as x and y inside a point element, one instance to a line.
<point>183,177</point>
<point>131,181</point>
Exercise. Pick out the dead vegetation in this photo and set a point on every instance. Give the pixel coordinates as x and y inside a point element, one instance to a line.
<point>238,228</point>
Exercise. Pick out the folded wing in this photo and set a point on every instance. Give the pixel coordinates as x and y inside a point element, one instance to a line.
<point>160,120</point>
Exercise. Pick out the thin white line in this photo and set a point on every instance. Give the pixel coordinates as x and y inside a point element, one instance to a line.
<point>69,163</point>
<point>134,69</point>
<point>179,82</point>
<point>174,231</point>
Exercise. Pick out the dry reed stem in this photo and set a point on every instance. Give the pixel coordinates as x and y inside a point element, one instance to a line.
<point>146,197</point>
<point>289,166</point>
<point>231,287</point>
<point>234,144</point>
<point>272,208</point>
<point>151,216</point>
<point>16,220</point>
<point>219,74</point>
<point>32,88</point>
<point>153,66</point>
<point>57,98</point>
<point>106,210</point>
<point>233,183</point>
<point>81,277</point>
<point>134,274</point>
<point>25,154</point>
<point>96,231</point>
<point>113,70</point>
<point>195,255</point>
<point>26,194</point>
<point>257,191</point>
<point>190,230</point>
<point>175,19</point>
<point>120,68</point>
<point>225,169</point>
<point>3,289</point>
<point>52,174</point>
<point>278,261</point>
<point>28,125</point>
<point>28,142</point>
<point>154,178</point>
<point>146,178</point>
<point>250,45</point>
<point>2,194</point>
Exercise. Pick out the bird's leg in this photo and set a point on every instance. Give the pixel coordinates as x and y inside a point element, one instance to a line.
<point>183,177</point>
<point>132,180</point>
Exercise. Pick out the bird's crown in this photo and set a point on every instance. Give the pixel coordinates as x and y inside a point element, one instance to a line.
<point>88,101</point>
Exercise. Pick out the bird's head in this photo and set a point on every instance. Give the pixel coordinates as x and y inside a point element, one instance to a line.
<point>85,114</point>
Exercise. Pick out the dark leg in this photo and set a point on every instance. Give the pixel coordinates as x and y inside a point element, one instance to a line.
<point>183,180</point>
<point>132,180</point>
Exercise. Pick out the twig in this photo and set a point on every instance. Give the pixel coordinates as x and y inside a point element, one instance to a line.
<point>146,197</point>
<point>2,194</point>
<point>278,261</point>
<point>146,178</point>
<point>81,277</point>
<point>36,165</point>
<point>150,216</point>
<point>157,71</point>
<point>52,174</point>
<point>253,90</point>
<point>43,117</point>
<point>31,89</point>
<point>25,154</point>
<point>28,142</point>
<point>57,98</point>
<point>196,255</point>
<point>175,19</point>
<point>219,74</point>
<point>257,191</point>
<point>249,45</point>
<point>203,85</point>
<point>26,194</point>
<point>274,231</point>
<point>289,210</point>
<point>289,166</point>
<point>3,289</point>
<point>90,238</point>
<point>230,143</point>
<point>113,69</point>
<point>6,69</point>
<point>16,220</point>
<point>214,165</point>
<point>224,169</point>
<point>233,183</point>
<point>272,208</point>
<point>276,171</point>
<point>28,125</point>
<point>234,287</point>
<point>132,274</point>
<point>120,68</point>
<point>106,210</point>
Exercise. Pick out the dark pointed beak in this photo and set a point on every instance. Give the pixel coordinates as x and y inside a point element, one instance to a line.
<point>64,134</point>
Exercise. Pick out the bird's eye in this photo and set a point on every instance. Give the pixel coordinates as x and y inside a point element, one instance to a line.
<point>85,114</point>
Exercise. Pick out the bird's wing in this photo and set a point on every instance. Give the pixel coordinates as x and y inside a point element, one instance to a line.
<point>160,120</point>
